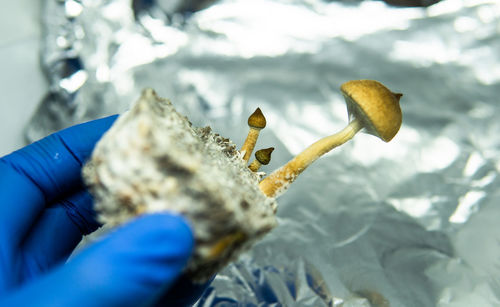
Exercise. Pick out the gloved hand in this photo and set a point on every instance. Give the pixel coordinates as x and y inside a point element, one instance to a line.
<point>45,210</point>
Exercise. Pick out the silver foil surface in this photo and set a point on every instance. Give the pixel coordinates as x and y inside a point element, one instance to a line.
<point>410,223</point>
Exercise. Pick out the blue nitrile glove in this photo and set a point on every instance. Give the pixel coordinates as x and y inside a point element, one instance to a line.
<point>44,211</point>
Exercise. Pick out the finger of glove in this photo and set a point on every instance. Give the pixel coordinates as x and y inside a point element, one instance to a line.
<point>57,232</point>
<point>160,243</point>
<point>127,268</point>
<point>35,175</point>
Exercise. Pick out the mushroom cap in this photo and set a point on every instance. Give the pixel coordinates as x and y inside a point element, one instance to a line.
<point>257,119</point>
<point>375,106</point>
<point>264,155</point>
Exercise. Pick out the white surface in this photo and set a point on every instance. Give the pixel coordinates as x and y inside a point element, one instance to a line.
<point>21,81</point>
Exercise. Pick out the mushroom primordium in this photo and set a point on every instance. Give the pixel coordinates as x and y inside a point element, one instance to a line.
<point>262,157</point>
<point>370,105</point>
<point>256,122</point>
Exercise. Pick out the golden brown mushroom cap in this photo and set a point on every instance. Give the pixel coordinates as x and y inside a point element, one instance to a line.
<point>257,119</point>
<point>375,106</point>
<point>264,155</point>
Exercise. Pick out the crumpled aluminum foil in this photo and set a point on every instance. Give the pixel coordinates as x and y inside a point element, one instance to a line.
<point>408,223</point>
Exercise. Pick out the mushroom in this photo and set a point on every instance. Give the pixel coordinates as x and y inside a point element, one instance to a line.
<point>256,122</point>
<point>370,105</point>
<point>262,157</point>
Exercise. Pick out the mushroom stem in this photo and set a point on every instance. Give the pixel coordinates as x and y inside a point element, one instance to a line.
<point>249,144</point>
<point>280,179</point>
<point>255,166</point>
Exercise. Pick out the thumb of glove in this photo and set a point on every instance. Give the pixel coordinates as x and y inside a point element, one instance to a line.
<point>130,267</point>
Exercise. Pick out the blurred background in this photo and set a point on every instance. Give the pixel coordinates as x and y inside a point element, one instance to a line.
<point>413,222</point>
<point>21,78</point>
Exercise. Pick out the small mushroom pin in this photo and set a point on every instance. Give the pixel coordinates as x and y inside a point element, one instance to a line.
<point>256,122</point>
<point>370,105</point>
<point>262,157</point>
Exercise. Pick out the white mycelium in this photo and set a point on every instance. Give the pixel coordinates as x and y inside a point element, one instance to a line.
<point>153,160</point>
